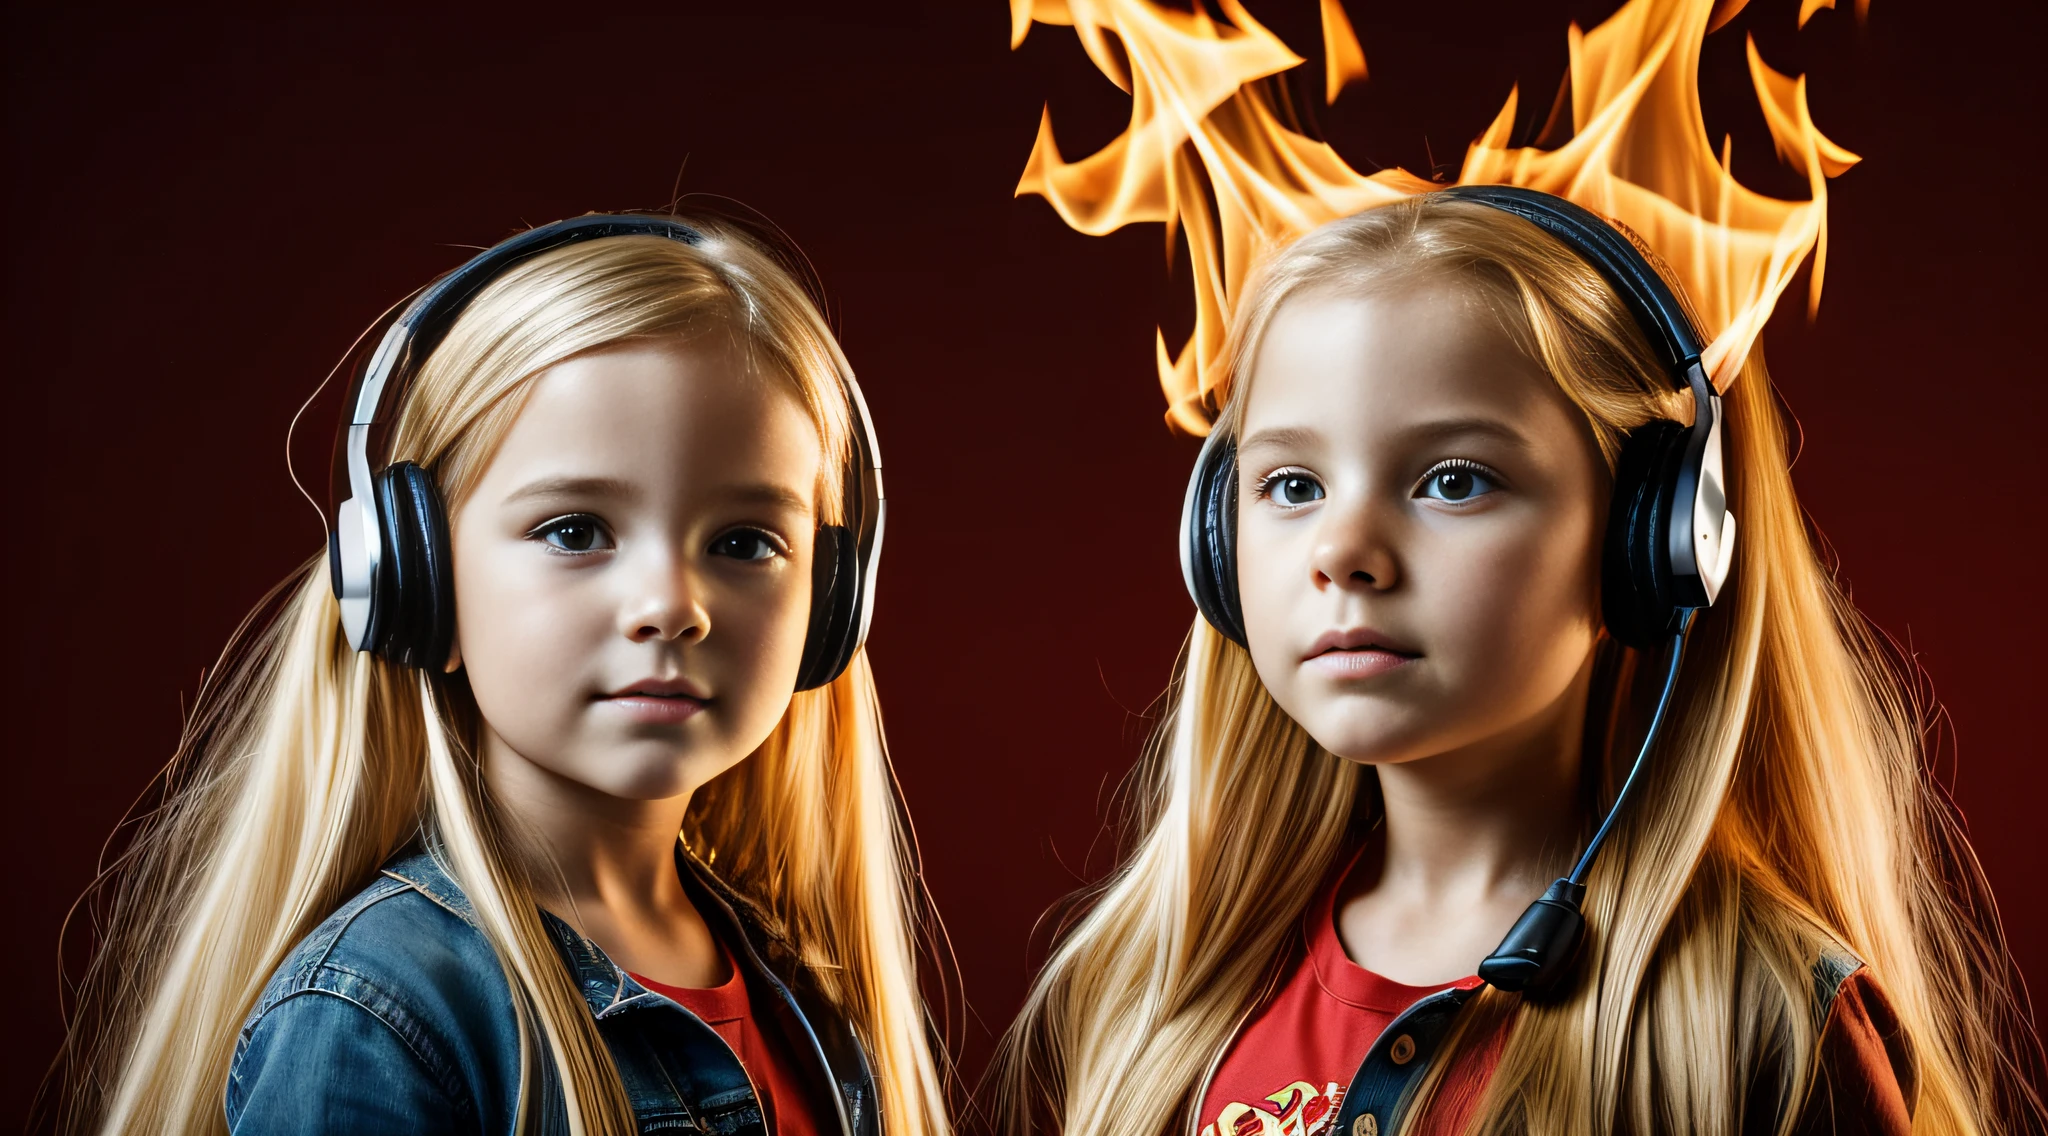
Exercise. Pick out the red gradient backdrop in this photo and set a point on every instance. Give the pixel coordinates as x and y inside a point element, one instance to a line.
<point>207,205</point>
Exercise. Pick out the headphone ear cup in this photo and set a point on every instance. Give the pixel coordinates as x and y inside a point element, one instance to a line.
<point>835,608</point>
<point>1635,581</point>
<point>412,609</point>
<point>1212,541</point>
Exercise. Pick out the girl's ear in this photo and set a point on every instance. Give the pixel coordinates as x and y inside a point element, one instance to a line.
<point>454,662</point>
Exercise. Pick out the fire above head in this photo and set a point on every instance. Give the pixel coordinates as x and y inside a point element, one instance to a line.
<point>1207,154</point>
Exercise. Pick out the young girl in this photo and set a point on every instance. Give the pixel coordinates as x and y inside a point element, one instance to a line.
<point>1424,677</point>
<point>608,579</point>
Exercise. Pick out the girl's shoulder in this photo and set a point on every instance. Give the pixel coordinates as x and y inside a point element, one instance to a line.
<point>1854,1071</point>
<point>406,943</point>
<point>395,995</point>
<point>1863,1065</point>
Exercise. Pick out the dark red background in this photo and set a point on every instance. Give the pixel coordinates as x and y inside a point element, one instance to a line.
<point>205,207</point>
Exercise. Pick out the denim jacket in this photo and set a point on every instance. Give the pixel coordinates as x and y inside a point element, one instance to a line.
<point>394,1016</point>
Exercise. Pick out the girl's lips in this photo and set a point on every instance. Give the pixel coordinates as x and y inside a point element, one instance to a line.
<point>655,709</point>
<point>1358,639</point>
<point>1363,662</point>
<point>1358,652</point>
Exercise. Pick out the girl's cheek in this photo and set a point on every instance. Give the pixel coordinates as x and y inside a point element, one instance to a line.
<point>521,678</point>
<point>1523,622</point>
<point>1268,595</point>
<point>529,638</point>
<point>763,654</point>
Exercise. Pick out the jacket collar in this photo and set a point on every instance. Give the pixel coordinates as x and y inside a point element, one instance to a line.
<point>419,868</point>
<point>609,990</point>
<point>605,986</point>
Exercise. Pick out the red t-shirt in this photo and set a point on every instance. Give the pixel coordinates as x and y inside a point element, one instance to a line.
<point>728,1010</point>
<point>1288,1069</point>
<point>1286,1073</point>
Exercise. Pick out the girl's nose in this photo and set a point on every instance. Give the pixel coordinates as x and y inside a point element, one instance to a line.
<point>1353,549</point>
<point>666,607</point>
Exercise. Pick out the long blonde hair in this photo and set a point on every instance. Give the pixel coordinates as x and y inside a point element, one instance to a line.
<point>1786,809</point>
<point>305,764</point>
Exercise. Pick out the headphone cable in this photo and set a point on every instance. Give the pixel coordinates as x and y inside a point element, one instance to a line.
<point>1585,864</point>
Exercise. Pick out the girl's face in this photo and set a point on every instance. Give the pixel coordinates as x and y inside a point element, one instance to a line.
<point>633,570</point>
<point>1419,519</point>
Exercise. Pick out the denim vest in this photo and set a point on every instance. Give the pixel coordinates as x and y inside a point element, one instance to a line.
<point>395,1016</point>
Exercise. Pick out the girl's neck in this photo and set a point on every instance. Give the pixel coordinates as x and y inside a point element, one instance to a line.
<point>595,845</point>
<point>1467,839</point>
<point>606,865</point>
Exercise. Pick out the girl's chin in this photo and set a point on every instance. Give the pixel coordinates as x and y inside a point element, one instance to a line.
<point>648,770</point>
<point>1367,735</point>
<point>662,784</point>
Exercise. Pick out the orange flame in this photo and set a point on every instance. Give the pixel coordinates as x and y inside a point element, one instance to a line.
<point>1207,152</point>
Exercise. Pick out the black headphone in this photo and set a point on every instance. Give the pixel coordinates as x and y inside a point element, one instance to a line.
<point>1670,537</point>
<point>388,550</point>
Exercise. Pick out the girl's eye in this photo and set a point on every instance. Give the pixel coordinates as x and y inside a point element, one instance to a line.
<point>744,544</point>
<point>1291,489</point>
<point>1456,480</point>
<point>580,533</point>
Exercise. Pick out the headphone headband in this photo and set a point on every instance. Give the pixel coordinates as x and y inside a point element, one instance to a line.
<point>386,550</point>
<point>1617,258</point>
<point>427,319</point>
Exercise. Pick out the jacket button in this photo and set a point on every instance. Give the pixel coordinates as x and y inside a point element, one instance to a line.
<point>1404,1049</point>
<point>1365,1125</point>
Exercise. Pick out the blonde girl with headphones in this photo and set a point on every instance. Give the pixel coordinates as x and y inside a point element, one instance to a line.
<point>596,832</point>
<point>1446,586</point>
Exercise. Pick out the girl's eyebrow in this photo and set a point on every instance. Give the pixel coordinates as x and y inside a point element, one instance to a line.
<point>618,489</point>
<point>766,493</point>
<point>1302,437</point>
<point>1445,428</point>
<point>1281,437</point>
<point>610,487</point>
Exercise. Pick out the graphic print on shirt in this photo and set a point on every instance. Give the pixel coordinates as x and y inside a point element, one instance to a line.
<point>1300,1109</point>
